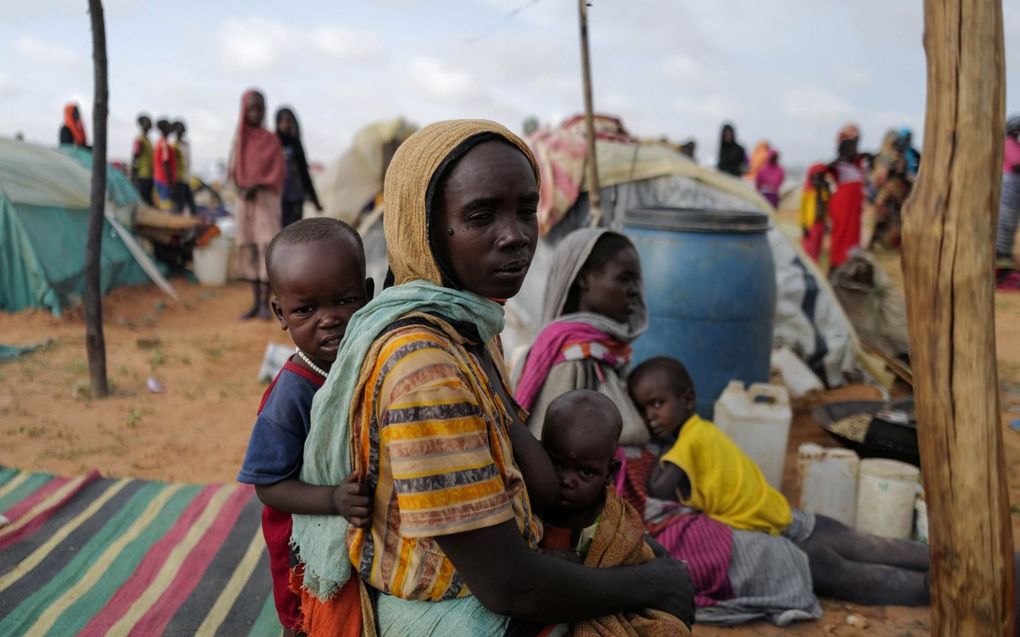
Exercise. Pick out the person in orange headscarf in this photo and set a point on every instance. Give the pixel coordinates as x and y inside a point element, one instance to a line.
<point>847,202</point>
<point>759,157</point>
<point>257,170</point>
<point>72,133</point>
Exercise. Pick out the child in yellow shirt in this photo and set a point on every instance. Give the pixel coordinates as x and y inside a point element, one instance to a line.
<point>705,470</point>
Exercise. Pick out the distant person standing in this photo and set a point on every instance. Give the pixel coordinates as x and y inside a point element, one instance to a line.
<point>257,169</point>
<point>732,158</point>
<point>165,166</point>
<point>183,198</point>
<point>297,186</point>
<point>814,210</point>
<point>1009,203</point>
<point>142,160</point>
<point>759,155</point>
<point>848,201</point>
<point>689,149</point>
<point>910,154</point>
<point>769,180</point>
<point>72,133</point>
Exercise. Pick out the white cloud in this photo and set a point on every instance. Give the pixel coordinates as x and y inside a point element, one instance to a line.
<point>816,105</point>
<point>341,43</point>
<point>6,85</point>
<point>37,50</point>
<point>441,81</point>
<point>260,45</point>
<point>253,45</point>
<point>681,68</point>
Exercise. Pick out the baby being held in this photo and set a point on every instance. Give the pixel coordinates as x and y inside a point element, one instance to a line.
<point>590,520</point>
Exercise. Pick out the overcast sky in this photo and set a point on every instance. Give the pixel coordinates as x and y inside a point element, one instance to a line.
<point>790,71</point>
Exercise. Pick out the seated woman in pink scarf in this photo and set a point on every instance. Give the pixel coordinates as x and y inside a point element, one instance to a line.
<point>593,310</point>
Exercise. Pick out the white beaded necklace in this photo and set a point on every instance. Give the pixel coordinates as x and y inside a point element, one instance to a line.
<point>315,368</point>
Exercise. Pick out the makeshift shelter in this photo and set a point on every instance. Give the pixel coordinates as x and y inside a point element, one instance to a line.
<point>353,183</point>
<point>44,202</point>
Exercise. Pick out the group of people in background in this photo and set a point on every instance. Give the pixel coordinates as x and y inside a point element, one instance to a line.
<point>162,173</point>
<point>836,194</point>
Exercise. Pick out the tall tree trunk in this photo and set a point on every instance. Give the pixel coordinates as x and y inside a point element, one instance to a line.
<point>594,194</point>
<point>949,239</point>
<point>95,344</point>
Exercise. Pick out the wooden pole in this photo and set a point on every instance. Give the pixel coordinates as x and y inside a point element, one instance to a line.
<point>594,196</point>
<point>95,344</point>
<point>949,239</point>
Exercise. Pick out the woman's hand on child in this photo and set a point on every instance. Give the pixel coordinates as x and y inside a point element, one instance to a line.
<point>676,592</point>
<point>352,500</point>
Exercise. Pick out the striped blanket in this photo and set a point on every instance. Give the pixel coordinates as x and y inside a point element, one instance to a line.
<point>99,556</point>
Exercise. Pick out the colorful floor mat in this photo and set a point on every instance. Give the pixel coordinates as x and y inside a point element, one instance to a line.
<point>100,556</point>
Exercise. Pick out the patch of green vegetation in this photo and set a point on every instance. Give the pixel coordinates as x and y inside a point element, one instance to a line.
<point>77,366</point>
<point>31,432</point>
<point>158,357</point>
<point>81,389</point>
<point>134,417</point>
<point>75,452</point>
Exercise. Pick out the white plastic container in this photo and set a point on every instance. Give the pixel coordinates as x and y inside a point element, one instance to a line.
<point>885,498</point>
<point>210,262</point>
<point>757,419</point>
<point>273,360</point>
<point>797,376</point>
<point>920,516</point>
<point>828,481</point>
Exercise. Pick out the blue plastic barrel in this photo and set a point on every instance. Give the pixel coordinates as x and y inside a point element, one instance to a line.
<point>710,287</point>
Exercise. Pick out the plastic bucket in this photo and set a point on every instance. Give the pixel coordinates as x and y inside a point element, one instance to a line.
<point>211,262</point>
<point>828,482</point>
<point>885,498</point>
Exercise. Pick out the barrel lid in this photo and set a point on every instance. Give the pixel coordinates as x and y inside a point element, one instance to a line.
<point>698,220</point>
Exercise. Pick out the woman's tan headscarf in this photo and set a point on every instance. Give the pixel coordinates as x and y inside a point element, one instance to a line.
<point>406,190</point>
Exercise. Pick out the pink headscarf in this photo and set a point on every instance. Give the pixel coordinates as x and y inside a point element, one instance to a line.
<point>258,158</point>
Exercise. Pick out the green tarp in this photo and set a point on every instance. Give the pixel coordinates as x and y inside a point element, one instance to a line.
<point>43,223</point>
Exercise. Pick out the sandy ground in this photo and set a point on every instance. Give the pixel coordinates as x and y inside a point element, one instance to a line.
<point>208,361</point>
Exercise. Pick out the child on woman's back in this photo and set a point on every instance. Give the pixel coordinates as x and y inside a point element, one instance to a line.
<point>590,521</point>
<point>707,471</point>
<point>316,271</point>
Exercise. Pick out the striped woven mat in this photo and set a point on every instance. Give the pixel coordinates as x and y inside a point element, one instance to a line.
<point>99,556</point>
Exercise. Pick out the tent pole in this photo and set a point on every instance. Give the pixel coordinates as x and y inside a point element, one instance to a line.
<point>949,239</point>
<point>594,196</point>
<point>95,344</point>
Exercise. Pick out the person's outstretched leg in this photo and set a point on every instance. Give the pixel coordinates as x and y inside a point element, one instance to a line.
<point>875,584</point>
<point>861,547</point>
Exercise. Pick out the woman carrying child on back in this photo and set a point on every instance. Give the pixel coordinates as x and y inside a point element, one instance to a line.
<point>418,406</point>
